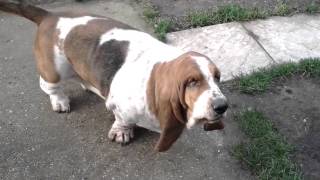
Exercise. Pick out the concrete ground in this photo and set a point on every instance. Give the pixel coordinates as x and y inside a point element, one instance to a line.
<point>36,143</point>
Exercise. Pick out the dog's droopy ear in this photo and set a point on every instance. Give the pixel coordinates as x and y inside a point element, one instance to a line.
<point>166,100</point>
<point>172,123</point>
<point>170,131</point>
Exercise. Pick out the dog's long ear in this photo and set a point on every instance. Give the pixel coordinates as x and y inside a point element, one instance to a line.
<point>171,111</point>
<point>172,118</point>
<point>169,134</point>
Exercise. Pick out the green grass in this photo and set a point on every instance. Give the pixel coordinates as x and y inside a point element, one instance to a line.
<point>259,81</point>
<point>224,14</point>
<point>161,26</point>
<point>266,153</point>
<point>282,9</point>
<point>161,29</point>
<point>312,8</point>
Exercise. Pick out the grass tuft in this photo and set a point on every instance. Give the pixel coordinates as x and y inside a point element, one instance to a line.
<point>224,14</point>
<point>266,152</point>
<point>282,9</point>
<point>236,13</point>
<point>312,8</point>
<point>200,18</point>
<point>161,26</point>
<point>161,29</point>
<point>259,81</point>
<point>254,124</point>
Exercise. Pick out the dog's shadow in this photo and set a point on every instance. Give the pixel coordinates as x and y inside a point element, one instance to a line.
<point>83,99</point>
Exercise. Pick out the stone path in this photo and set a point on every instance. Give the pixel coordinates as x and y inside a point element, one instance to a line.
<point>240,48</point>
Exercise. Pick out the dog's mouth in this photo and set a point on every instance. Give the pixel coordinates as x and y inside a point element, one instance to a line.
<point>215,124</point>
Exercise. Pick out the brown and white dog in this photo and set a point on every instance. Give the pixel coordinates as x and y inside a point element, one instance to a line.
<point>143,81</point>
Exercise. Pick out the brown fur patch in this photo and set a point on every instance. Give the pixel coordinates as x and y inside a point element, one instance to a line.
<point>96,64</point>
<point>215,71</point>
<point>43,49</point>
<point>80,46</point>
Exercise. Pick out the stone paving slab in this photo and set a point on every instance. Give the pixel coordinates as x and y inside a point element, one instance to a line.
<point>229,45</point>
<point>288,38</point>
<point>311,20</point>
<point>241,48</point>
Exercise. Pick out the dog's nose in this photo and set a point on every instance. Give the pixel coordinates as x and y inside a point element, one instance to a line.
<point>220,105</point>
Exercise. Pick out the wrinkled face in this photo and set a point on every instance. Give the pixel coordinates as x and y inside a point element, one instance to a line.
<point>206,103</point>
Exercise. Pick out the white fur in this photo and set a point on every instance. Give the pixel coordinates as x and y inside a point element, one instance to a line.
<point>63,67</point>
<point>65,25</point>
<point>127,97</point>
<point>203,105</point>
<point>121,131</point>
<point>59,101</point>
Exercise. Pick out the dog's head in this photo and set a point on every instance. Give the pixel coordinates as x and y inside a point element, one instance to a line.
<point>185,93</point>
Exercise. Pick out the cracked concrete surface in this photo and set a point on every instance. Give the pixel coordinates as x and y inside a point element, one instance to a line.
<point>240,49</point>
<point>228,45</point>
<point>288,38</point>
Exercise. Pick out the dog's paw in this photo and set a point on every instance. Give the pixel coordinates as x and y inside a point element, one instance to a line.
<point>60,103</point>
<point>121,134</point>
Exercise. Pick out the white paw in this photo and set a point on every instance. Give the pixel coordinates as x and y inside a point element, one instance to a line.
<point>60,103</point>
<point>121,134</point>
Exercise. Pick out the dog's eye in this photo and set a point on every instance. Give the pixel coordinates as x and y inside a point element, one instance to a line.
<point>193,83</point>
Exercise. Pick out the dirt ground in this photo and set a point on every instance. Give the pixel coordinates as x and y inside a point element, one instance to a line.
<point>294,107</point>
<point>179,8</point>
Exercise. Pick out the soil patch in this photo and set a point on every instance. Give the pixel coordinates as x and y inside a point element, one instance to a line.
<point>294,107</point>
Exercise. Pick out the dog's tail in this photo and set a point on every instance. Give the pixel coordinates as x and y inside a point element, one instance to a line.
<point>30,12</point>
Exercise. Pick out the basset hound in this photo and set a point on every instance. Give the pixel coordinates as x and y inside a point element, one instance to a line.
<point>143,81</point>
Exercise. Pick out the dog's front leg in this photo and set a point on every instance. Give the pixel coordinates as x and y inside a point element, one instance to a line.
<point>121,131</point>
